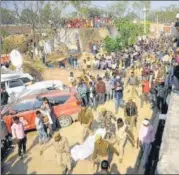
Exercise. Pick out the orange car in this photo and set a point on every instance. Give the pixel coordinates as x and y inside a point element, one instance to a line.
<point>65,106</point>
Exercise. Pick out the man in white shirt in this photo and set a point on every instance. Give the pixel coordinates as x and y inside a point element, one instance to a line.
<point>18,133</point>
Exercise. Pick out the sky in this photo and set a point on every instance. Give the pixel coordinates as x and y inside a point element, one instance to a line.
<point>154,4</point>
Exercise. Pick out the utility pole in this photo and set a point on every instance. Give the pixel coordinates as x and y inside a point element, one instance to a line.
<point>145,30</point>
<point>157,25</point>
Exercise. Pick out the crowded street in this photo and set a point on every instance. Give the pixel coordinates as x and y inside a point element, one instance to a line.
<point>93,111</point>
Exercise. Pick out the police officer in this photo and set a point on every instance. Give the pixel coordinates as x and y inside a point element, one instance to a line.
<point>103,150</point>
<point>131,113</point>
<point>105,118</point>
<point>62,152</point>
<point>132,83</point>
<point>85,117</point>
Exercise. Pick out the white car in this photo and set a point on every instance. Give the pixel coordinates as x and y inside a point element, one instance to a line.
<point>15,83</point>
<point>42,86</point>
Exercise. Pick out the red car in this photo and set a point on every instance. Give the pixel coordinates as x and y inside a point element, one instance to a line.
<point>65,106</point>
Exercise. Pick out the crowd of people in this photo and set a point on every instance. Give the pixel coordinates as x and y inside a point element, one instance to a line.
<point>149,71</point>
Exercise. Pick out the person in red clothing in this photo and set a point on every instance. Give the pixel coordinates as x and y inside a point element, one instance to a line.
<point>101,91</point>
<point>145,91</point>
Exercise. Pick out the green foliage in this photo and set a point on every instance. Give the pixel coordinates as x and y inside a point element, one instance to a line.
<point>28,17</point>
<point>7,16</point>
<point>118,9</point>
<point>110,44</point>
<point>46,13</point>
<point>128,32</point>
<point>4,33</point>
<point>165,15</point>
<point>6,47</point>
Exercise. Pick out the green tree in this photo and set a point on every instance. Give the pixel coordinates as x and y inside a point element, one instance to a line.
<point>28,17</point>
<point>7,16</point>
<point>110,44</point>
<point>138,7</point>
<point>127,35</point>
<point>79,6</point>
<point>46,13</point>
<point>118,9</point>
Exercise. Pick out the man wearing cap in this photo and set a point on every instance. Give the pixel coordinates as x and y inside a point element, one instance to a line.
<point>130,113</point>
<point>85,117</point>
<point>103,150</point>
<point>146,137</point>
<point>62,152</point>
<point>105,118</point>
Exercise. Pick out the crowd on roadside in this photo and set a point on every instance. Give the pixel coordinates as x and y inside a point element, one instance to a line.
<point>151,66</point>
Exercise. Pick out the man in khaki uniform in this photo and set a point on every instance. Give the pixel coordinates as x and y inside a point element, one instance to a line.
<point>132,84</point>
<point>102,151</point>
<point>85,117</point>
<point>62,152</point>
<point>130,113</point>
<point>105,118</point>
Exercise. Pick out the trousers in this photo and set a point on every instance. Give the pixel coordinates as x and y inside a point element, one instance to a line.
<point>22,145</point>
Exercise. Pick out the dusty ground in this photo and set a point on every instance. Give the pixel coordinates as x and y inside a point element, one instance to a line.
<point>33,163</point>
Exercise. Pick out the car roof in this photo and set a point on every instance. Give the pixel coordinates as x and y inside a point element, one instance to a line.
<point>49,93</point>
<point>14,76</point>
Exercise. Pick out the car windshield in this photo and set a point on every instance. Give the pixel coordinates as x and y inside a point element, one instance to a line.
<point>27,105</point>
<point>57,100</point>
<point>15,83</point>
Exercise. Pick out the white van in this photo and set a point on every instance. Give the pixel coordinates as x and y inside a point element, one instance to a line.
<point>15,83</point>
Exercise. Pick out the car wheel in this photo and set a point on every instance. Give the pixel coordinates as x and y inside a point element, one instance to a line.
<point>65,121</point>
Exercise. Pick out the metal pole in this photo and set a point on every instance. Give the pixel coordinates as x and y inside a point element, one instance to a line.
<point>144,20</point>
<point>157,24</point>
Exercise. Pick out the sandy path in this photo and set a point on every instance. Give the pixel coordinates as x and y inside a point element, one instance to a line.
<point>36,164</point>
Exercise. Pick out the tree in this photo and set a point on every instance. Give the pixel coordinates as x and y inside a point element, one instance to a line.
<point>28,17</point>
<point>110,44</point>
<point>138,7</point>
<point>8,16</point>
<point>128,32</point>
<point>79,6</point>
<point>93,11</point>
<point>118,9</point>
<point>46,13</point>
<point>165,15</point>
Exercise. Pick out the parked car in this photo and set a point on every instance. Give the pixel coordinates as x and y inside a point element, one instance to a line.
<point>15,83</point>
<point>65,106</point>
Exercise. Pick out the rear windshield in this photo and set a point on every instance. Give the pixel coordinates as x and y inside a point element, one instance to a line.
<point>27,105</point>
<point>58,100</point>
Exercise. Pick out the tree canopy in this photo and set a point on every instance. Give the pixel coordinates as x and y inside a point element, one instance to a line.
<point>7,16</point>
<point>128,32</point>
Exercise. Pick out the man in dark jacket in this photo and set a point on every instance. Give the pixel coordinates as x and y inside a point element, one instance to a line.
<point>130,112</point>
<point>4,96</point>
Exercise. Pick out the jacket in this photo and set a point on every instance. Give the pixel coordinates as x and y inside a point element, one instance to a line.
<point>130,109</point>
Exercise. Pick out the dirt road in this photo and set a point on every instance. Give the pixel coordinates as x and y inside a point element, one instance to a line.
<point>34,163</point>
